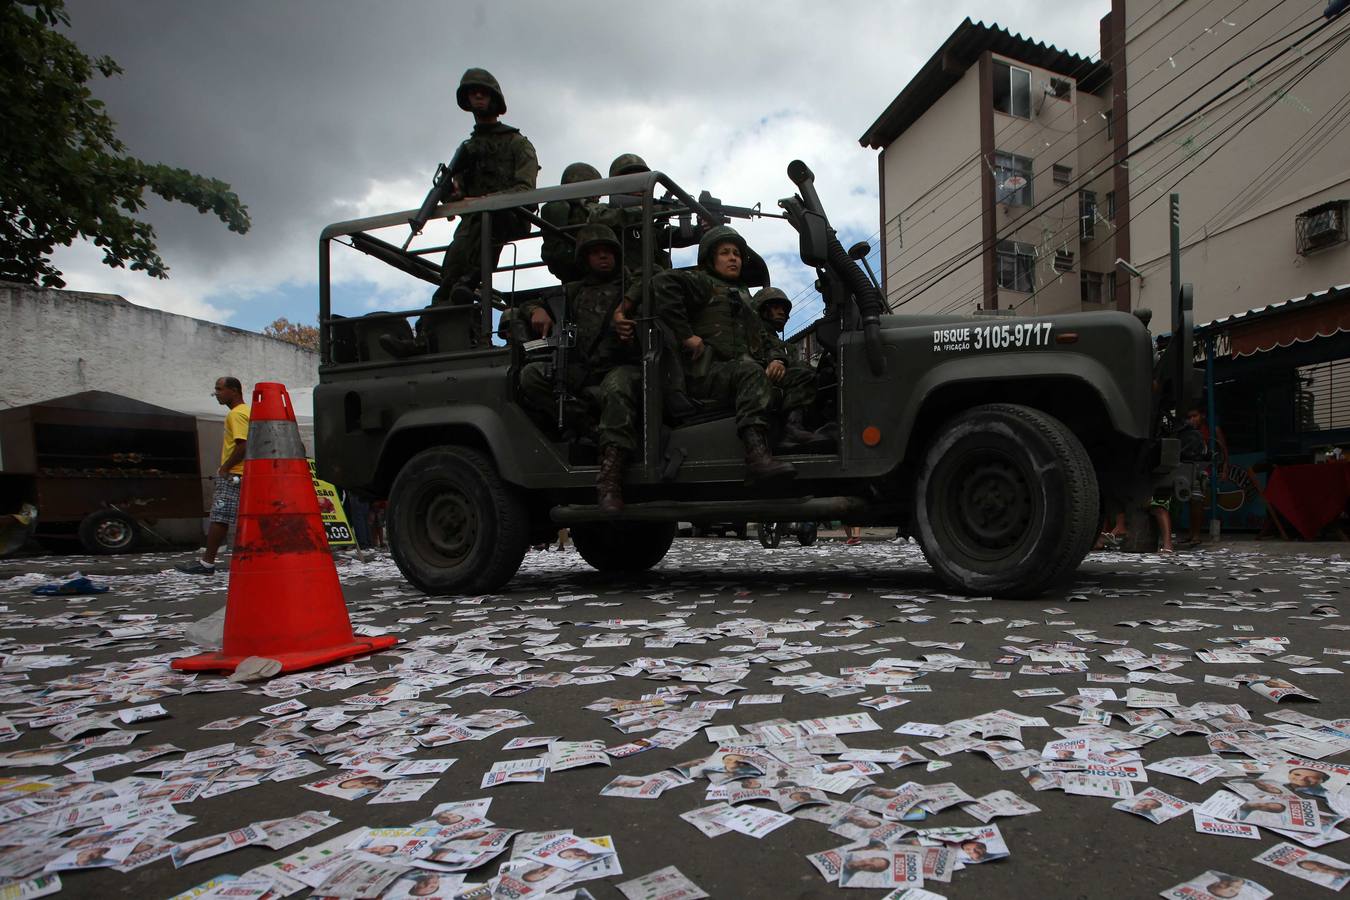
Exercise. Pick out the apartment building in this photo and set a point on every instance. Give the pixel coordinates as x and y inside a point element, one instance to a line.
<point>1014,175</point>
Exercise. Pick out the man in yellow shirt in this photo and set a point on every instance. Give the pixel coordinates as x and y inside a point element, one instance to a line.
<point>225,499</point>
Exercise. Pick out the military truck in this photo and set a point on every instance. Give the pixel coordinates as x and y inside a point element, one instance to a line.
<point>986,438</point>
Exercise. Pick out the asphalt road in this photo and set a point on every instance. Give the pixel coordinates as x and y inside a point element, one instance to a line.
<point>1076,846</point>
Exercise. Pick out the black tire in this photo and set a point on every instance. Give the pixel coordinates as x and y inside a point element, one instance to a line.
<point>109,531</point>
<point>770,535</point>
<point>806,534</point>
<point>623,546</point>
<point>454,527</point>
<point>1005,501</point>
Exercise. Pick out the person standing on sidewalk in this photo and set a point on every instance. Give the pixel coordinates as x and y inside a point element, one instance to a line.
<point>225,498</point>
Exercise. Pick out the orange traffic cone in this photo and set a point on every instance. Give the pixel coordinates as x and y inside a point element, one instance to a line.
<point>285,602</point>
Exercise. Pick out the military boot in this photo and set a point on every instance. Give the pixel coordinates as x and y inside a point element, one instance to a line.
<point>793,432</point>
<point>609,484</point>
<point>760,466</point>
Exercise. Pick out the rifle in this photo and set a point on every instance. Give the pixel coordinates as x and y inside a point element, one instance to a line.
<point>442,191</point>
<point>669,206</point>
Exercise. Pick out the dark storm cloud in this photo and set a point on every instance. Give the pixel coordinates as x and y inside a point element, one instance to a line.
<point>310,109</point>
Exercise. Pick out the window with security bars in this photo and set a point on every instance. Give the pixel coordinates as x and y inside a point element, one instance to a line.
<point>1091,284</point>
<point>1012,176</point>
<point>1324,396</point>
<point>1087,215</point>
<point>1016,265</point>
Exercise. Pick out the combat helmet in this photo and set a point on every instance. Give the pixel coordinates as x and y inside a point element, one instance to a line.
<point>579,171</point>
<point>771,295</point>
<point>480,78</point>
<point>627,164</point>
<point>589,236</point>
<point>753,270</point>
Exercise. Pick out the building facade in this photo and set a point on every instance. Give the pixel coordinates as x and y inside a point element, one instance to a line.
<point>1021,177</point>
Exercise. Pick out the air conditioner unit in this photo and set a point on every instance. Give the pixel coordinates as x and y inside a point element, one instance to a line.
<point>1063,261</point>
<point>1320,227</point>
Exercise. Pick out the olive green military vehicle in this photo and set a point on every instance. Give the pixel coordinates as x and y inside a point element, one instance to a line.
<point>985,437</point>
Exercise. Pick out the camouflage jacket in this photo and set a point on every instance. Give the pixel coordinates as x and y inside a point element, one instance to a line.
<point>590,304</point>
<point>498,158</point>
<point>626,221</point>
<point>559,251</point>
<point>791,352</point>
<point>696,302</point>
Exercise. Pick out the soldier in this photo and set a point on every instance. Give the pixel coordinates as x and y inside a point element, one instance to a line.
<point>559,250</point>
<point>798,383</point>
<point>499,159</point>
<point>603,370</point>
<point>708,310</point>
<point>627,222</point>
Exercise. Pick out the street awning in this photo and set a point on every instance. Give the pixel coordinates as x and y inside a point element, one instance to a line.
<point>1296,321</point>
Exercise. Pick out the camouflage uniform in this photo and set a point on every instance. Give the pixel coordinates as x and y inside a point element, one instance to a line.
<point>612,377</point>
<point>737,346</point>
<point>559,250</point>
<point>626,221</point>
<point>798,385</point>
<point>499,159</point>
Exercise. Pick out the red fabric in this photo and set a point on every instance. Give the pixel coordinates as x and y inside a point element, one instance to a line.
<point>1290,327</point>
<point>1311,497</point>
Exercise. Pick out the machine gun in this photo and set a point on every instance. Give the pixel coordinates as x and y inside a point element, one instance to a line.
<point>442,191</point>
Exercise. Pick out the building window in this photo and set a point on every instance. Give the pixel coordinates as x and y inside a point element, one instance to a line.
<point>1062,174</point>
<point>1110,206</point>
<point>1012,175</point>
<point>1109,288</point>
<point>1110,124</point>
<point>1092,287</point>
<point>1087,214</point>
<point>1012,90</point>
<point>1320,227</point>
<point>1016,266</point>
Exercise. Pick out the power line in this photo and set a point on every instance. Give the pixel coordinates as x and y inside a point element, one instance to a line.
<point>1062,194</point>
<point>1246,119</point>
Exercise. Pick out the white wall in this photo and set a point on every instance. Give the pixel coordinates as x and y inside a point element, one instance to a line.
<point>54,343</point>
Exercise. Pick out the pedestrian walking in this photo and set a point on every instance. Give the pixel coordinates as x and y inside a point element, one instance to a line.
<point>229,393</point>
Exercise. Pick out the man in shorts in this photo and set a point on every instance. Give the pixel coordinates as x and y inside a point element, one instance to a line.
<point>225,499</point>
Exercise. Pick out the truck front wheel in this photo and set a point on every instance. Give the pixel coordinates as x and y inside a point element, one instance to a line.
<point>454,526</point>
<point>1006,501</point>
<point>623,546</point>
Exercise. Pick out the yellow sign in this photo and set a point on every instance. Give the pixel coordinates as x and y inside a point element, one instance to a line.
<point>330,508</point>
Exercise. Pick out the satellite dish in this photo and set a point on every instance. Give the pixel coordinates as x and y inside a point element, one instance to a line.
<point>1014,183</point>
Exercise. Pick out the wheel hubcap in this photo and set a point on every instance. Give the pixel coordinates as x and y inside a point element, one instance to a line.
<point>451,524</point>
<point>113,533</point>
<point>993,503</point>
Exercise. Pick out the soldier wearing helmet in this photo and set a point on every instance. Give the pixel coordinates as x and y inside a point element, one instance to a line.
<point>728,355</point>
<point>797,387</point>
<point>559,249</point>
<point>602,371</point>
<point>499,159</point>
<point>626,221</point>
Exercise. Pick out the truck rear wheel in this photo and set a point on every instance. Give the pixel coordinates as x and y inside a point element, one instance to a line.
<point>454,525</point>
<point>109,531</point>
<point>1006,501</point>
<point>623,546</point>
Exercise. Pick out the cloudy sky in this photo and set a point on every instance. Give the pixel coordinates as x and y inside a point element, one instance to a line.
<point>318,111</point>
